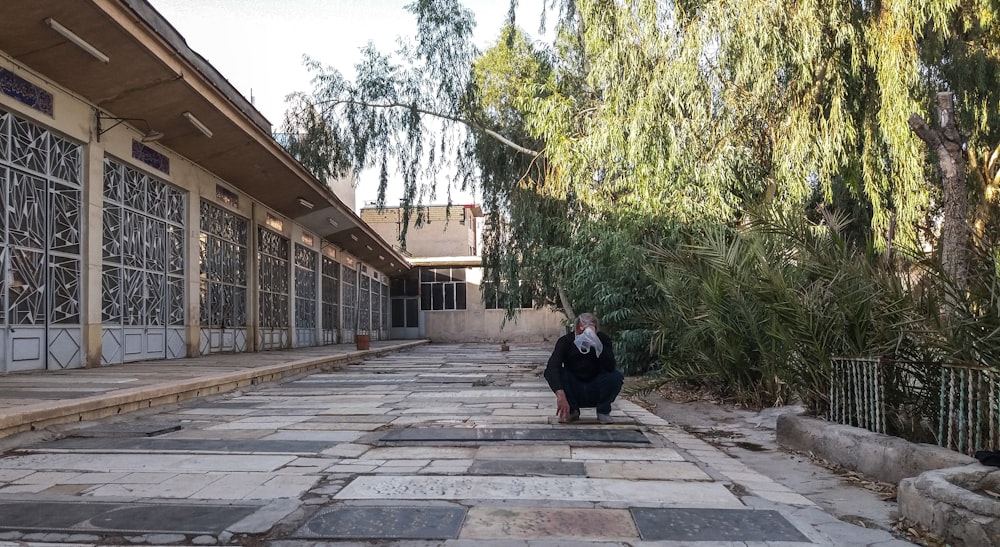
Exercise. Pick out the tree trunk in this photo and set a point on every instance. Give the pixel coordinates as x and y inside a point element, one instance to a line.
<point>946,143</point>
<point>566,306</point>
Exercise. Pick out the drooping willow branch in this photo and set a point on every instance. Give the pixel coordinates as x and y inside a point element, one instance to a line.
<point>507,142</point>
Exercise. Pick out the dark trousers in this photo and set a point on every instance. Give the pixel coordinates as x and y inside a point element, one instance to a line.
<point>599,392</point>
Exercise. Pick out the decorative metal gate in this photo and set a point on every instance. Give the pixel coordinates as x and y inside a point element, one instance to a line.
<point>305,296</point>
<point>350,303</point>
<point>385,308</point>
<point>331,292</point>
<point>223,301</point>
<point>142,282</point>
<point>273,274</point>
<point>376,309</point>
<point>40,262</point>
<point>364,305</point>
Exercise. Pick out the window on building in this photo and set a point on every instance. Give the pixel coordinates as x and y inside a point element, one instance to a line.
<point>442,289</point>
<point>495,298</point>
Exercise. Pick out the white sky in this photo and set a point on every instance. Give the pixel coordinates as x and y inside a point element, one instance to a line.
<point>258,45</point>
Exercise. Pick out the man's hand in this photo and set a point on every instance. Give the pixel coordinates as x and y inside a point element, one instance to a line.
<point>562,405</point>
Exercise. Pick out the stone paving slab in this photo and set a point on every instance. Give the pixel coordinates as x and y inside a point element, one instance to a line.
<point>420,452</point>
<point>523,452</point>
<point>487,522</point>
<point>526,468</point>
<point>682,471</point>
<point>144,428</point>
<point>455,434</point>
<point>118,517</point>
<point>602,453</point>
<point>496,468</point>
<point>235,446</point>
<point>404,522</point>
<point>228,404</point>
<point>326,384</point>
<point>111,462</point>
<point>714,524</point>
<point>539,488</point>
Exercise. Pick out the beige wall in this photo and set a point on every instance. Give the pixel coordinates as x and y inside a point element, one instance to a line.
<point>440,235</point>
<point>477,325</point>
<point>343,188</point>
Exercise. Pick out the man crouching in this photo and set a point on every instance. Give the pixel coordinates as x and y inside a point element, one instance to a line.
<point>582,372</point>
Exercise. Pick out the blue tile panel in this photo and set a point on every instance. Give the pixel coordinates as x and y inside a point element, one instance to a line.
<point>150,157</point>
<point>26,92</point>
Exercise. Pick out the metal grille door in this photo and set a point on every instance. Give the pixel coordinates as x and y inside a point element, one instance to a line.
<point>40,236</point>
<point>331,292</point>
<point>350,303</point>
<point>143,271</point>
<point>385,309</point>
<point>223,287</point>
<point>365,305</point>
<point>273,250</point>
<point>305,296</point>
<point>376,309</point>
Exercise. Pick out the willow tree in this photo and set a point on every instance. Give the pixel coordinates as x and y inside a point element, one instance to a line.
<point>738,101</point>
<point>441,114</point>
<point>682,111</point>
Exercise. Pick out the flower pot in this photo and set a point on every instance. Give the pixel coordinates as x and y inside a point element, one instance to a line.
<point>362,341</point>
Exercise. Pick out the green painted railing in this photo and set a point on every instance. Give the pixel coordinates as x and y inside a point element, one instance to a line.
<point>959,404</point>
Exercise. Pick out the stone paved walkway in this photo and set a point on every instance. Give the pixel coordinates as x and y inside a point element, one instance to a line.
<point>434,445</point>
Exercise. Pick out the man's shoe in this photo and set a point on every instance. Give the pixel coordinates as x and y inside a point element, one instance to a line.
<point>605,418</point>
<point>574,415</point>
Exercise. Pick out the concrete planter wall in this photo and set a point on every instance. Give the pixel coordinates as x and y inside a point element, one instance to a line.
<point>881,457</point>
<point>940,489</point>
<point>953,504</point>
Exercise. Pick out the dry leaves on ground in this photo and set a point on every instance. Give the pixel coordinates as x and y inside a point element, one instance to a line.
<point>914,533</point>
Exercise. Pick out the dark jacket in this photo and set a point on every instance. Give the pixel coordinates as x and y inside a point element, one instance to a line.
<point>584,366</point>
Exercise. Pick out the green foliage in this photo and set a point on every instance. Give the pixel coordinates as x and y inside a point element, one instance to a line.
<point>758,312</point>
<point>749,102</point>
<point>686,171</point>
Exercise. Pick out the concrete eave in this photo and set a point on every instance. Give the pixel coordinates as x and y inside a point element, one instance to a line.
<point>447,261</point>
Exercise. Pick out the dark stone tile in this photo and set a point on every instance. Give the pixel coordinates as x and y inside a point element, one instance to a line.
<point>283,412</point>
<point>678,524</point>
<point>565,434</point>
<point>52,516</point>
<point>527,468</point>
<point>224,404</point>
<point>92,516</point>
<point>457,434</point>
<point>466,381</point>
<point>128,429</point>
<point>346,382</point>
<point>428,434</point>
<point>190,445</point>
<point>178,519</point>
<point>431,523</point>
<point>351,419</point>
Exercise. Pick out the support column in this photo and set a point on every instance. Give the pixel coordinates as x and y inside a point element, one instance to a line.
<point>192,276</point>
<point>92,217</point>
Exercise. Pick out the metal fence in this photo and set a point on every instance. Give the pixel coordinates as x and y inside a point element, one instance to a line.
<point>958,404</point>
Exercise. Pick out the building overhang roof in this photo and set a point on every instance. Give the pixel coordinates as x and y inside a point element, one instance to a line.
<point>153,75</point>
<point>447,261</point>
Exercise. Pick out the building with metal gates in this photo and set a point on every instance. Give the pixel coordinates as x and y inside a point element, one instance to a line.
<point>147,212</point>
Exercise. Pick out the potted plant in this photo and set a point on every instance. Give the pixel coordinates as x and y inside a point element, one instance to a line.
<point>362,340</point>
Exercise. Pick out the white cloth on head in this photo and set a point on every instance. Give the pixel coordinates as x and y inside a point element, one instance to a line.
<point>588,339</point>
